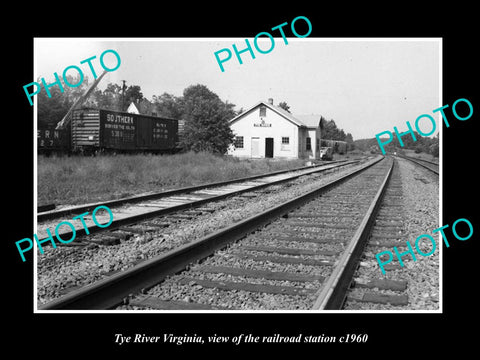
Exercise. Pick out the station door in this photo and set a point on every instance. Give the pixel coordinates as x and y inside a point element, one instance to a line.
<point>269,147</point>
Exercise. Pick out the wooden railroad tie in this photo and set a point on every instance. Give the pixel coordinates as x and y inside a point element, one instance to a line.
<point>285,259</point>
<point>245,286</point>
<point>383,284</point>
<point>159,304</point>
<point>260,274</point>
<point>289,251</point>
<point>309,239</point>
<point>379,298</point>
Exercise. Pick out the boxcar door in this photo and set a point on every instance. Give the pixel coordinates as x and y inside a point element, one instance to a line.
<point>144,133</point>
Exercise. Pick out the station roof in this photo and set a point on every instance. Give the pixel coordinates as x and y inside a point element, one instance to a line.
<point>307,121</point>
<point>312,120</point>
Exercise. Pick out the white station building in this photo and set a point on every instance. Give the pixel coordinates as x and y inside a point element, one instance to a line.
<point>268,131</point>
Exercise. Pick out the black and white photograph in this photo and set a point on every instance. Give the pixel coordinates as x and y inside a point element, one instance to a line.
<point>224,182</point>
<point>266,195</point>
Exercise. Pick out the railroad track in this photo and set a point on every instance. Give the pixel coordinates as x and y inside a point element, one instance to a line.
<point>369,288</point>
<point>429,165</point>
<point>298,255</point>
<point>133,210</point>
<point>49,211</point>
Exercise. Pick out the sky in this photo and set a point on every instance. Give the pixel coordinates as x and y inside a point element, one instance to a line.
<point>367,85</point>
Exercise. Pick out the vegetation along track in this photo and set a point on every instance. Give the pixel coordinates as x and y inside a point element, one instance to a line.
<point>298,255</point>
<point>138,208</point>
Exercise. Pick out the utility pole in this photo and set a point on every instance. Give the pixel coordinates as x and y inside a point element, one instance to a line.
<point>123,95</point>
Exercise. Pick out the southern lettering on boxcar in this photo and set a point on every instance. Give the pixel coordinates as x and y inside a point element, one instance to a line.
<point>114,131</point>
<point>117,130</point>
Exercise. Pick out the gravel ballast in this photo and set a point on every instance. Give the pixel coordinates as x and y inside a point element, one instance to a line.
<point>62,269</point>
<point>263,252</point>
<point>420,213</point>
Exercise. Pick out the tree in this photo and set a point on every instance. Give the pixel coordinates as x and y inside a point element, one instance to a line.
<point>284,106</point>
<point>168,105</point>
<point>110,98</point>
<point>206,120</point>
<point>434,148</point>
<point>132,94</point>
<point>350,143</point>
<point>330,131</point>
<point>115,98</point>
<point>52,109</point>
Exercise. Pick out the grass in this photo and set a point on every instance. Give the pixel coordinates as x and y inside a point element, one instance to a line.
<point>77,179</point>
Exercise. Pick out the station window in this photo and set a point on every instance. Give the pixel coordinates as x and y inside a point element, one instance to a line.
<point>309,144</point>
<point>238,142</point>
<point>285,140</point>
<point>263,111</point>
<point>318,144</point>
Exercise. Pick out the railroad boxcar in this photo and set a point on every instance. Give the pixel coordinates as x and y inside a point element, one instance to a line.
<point>51,140</point>
<point>339,147</point>
<point>98,130</point>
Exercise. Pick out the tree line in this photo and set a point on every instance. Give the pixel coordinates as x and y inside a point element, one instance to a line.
<point>330,131</point>
<point>206,117</point>
<point>428,145</point>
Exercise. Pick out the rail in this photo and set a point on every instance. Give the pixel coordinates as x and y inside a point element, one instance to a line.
<point>132,219</point>
<point>419,162</point>
<point>112,291</point>
<point>51,213</point>
<point>333,293</point>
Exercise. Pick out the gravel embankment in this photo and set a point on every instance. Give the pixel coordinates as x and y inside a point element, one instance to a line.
<point>422,209</point>
<point>420,200</point>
